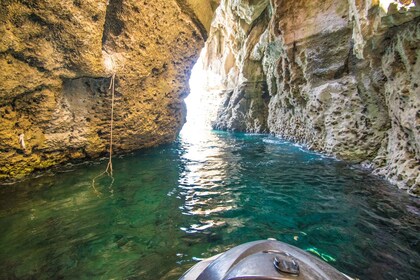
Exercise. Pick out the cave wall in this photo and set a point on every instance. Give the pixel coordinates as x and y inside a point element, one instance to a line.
<point>56,59</point>
<point>339,76</point>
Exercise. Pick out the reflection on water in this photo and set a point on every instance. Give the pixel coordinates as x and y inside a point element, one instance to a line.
<point>177,204</point>
<point>203,179</point>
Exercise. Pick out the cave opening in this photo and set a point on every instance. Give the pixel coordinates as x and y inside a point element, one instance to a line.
<point>202,101</point>
<point>385,4</point>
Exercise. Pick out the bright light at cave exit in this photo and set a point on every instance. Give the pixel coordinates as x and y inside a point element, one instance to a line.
<point>385,4</point>
<point>200,104</point>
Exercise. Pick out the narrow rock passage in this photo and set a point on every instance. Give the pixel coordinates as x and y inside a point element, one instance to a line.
<point>173,205</point>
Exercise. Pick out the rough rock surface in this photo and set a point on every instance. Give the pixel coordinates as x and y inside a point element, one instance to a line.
<point>235,30</point>
<point>339,76</point>
<point>56,59</point>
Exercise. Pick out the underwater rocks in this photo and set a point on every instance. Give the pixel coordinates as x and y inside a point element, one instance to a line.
<point>57,58</point>
<point>339,76</point>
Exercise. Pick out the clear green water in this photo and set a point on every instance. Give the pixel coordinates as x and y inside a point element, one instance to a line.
<point>174,205</point>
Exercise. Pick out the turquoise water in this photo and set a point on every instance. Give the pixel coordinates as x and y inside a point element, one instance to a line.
<point>172,206</point>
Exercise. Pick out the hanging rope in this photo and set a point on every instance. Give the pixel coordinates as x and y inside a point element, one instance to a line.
<point>109,171</point>
<point>112,88</point>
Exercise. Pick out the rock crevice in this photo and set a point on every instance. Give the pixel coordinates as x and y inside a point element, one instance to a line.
<point>341,77</point>
<point>56,59</point>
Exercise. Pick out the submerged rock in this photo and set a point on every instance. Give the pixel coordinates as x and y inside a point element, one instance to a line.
<point>338,76</point>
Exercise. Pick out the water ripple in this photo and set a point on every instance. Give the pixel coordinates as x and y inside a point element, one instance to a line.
<point>177,204</point>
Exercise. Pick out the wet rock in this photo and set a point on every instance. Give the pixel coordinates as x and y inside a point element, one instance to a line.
<point>231,53</point>
<point>57,58</point>
<point>342,78</point>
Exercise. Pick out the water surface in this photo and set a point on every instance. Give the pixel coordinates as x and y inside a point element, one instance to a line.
<point>172,206</point>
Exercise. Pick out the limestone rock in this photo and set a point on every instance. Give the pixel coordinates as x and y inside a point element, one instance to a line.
<point>57,58</point>
<point>200,10</point>
<point>342,77</point>
<point>230,52</point>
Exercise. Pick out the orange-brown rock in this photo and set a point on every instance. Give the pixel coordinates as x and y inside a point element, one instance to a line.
<point>56,59</point>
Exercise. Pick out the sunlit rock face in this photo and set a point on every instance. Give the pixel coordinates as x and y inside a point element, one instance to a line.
<point>339,76</point>
<point>56,59</point>
<point>236,29</point>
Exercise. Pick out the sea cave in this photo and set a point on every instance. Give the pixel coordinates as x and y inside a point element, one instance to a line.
<point>209,139</point>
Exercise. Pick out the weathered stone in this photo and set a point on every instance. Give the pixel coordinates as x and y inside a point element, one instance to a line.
<point>342,78</point>
<point>245,109</point>
<point>338,76</point>
<point>231,52</point>
<point>56,59</point>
